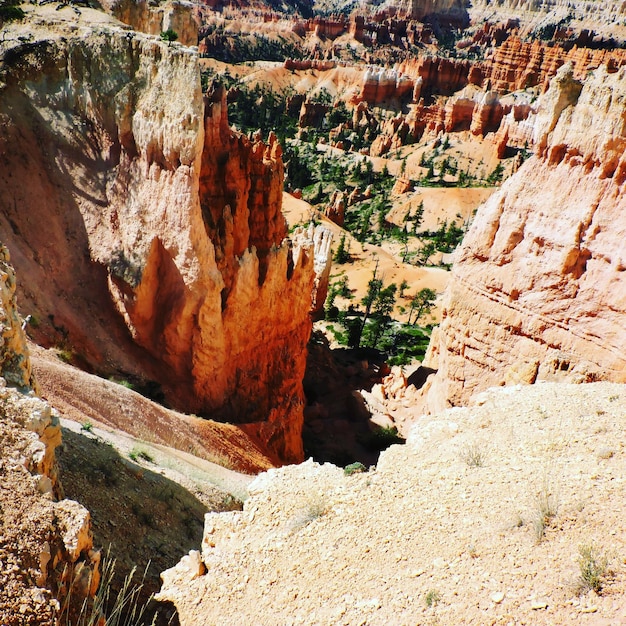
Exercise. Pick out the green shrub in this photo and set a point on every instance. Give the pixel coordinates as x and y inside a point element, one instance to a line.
<point>10,10</point>
<point>381,438</point>
<point>593,567</point>
<point>354,468</point>
<point>432,598</point>
<point>139,453</point>
<point>169,35</point>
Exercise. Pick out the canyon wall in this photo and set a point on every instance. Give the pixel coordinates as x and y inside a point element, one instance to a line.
<point>154,17</point>
<point>152,234</point>
<point>605,18</point>
<point>46,554</point>
<point>452,11</point>
<point>538,289</point>
<point>511,66</point>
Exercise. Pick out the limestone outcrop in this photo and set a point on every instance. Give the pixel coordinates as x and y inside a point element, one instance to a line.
<point>151,233</point>
<point>47,559</point>
<point>154,18</point>
<point>538,289</point>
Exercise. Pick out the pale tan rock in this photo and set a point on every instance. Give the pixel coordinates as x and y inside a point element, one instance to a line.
<point>313,543</point>
<point>74,522</point>
<point>539,277</point>
<point>154,18</point>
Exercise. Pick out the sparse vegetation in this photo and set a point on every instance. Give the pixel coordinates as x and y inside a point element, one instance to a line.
<point>87,426</point>
<point>65,355</point>
<point>169,35</point>
<point>593,568</point>
<point>140,453</point>
<point>432,598</point>
<point>315,508</point>
<point>546,510</point>
<point>342,254</point>
<point>10,10</point>
<point>473,455</point>
<point>354,468</point>
<point>381,438</point>
<point>121,608</point>
<point>123,382</point>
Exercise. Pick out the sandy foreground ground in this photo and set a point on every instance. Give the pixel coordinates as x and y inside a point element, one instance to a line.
<point>484,517</point>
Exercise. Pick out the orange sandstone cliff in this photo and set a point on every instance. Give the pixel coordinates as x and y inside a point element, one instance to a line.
<point>151,234</point>
<point>538,289</point>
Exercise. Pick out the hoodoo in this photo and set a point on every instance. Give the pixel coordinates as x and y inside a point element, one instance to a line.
<point>154,241</point>
<point>538,290</point>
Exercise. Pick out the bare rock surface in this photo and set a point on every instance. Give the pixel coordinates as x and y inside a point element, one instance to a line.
<point>538,289</point>
<point>47,562</point>
<point>151,234</point>
<point>478,519</point>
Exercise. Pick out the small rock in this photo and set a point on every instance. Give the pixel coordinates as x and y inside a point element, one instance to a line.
<point>605,453</point>
<point>589,609</point>
<point>497,597</point>
<point>538,604</point>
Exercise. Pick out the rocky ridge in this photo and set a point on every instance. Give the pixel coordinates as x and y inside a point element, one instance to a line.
<point>174,223</point>
<point>539,279</point>
<point>47,561</point>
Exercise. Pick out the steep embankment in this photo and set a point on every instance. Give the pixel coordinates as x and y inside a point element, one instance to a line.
<point>45,545</point>
<point>150,234</point>
<point>538,290</point>
<point>478,519</point>
<point>605,18</point>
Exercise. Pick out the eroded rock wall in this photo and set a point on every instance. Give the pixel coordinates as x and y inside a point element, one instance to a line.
<point>154,17</point>
<point>538,289</point>
<point>47,561</point>
<point>151,233</point>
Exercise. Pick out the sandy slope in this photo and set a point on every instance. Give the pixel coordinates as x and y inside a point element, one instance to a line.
<point>83,397</point>
<point>426,538</point>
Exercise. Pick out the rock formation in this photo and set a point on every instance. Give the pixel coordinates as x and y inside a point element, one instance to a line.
<point>517,64</point>
<point>151,233</point>
<point>46,553</point>
<point>315,545</point>
<point>538,289</point>
<point>511,66</point>
<point>380,85</point>
<point>453,11</point>
<point>154,18</point>
<point>15,365</point>
<point>606,20</point>
<point>335,211</point>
